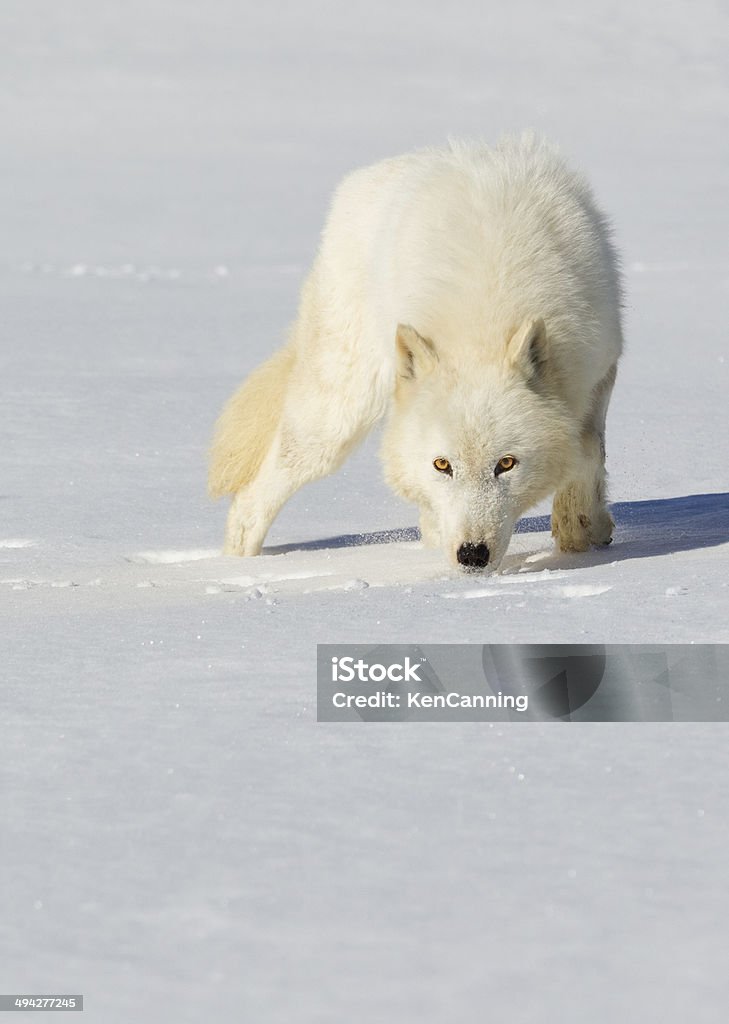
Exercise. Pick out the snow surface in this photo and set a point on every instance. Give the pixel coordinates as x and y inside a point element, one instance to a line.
<point>179,839</point>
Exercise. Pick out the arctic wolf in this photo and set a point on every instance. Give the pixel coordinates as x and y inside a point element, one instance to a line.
<point>471,295</point>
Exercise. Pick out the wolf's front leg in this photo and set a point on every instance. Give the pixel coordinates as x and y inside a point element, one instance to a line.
<point>580,517</point>
<point>254,508</point>
<point>318,430</point>
<point>289,464</point>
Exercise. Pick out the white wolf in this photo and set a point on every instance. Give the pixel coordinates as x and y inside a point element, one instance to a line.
<point>473,295</point>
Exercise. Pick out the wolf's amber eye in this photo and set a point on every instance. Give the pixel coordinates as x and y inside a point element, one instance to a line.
<point>443,466</point>
<point>504,465</point>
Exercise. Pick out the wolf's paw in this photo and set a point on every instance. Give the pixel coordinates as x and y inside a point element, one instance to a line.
<point>582,531</point>
<point>244,531</point>
<point>242,547</point>
<point>243,543</point>
<point>601,528</point>
<point>570,534</point>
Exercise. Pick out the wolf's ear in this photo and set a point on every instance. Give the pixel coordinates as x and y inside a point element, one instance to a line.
<point>528,348</point>
<point>416,356</point>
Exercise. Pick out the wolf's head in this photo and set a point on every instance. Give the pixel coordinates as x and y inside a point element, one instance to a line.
<point>476,445</point>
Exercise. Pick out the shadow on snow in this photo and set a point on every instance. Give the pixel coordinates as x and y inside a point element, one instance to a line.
<point>643,529</point>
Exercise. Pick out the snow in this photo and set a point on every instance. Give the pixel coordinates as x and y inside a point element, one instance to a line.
<point>180,839</point>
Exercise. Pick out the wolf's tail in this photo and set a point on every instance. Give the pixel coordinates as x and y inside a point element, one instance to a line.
<point>247,424</point>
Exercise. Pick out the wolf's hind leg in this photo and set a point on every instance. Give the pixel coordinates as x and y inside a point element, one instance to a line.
<point>580,517</point>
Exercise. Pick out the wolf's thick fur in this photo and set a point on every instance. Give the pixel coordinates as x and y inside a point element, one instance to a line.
<point>473,294</point>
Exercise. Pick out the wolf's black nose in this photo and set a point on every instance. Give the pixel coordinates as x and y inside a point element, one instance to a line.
<point>474,556</point>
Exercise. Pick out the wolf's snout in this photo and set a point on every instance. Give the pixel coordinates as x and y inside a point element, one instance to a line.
<point>473,556</point>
